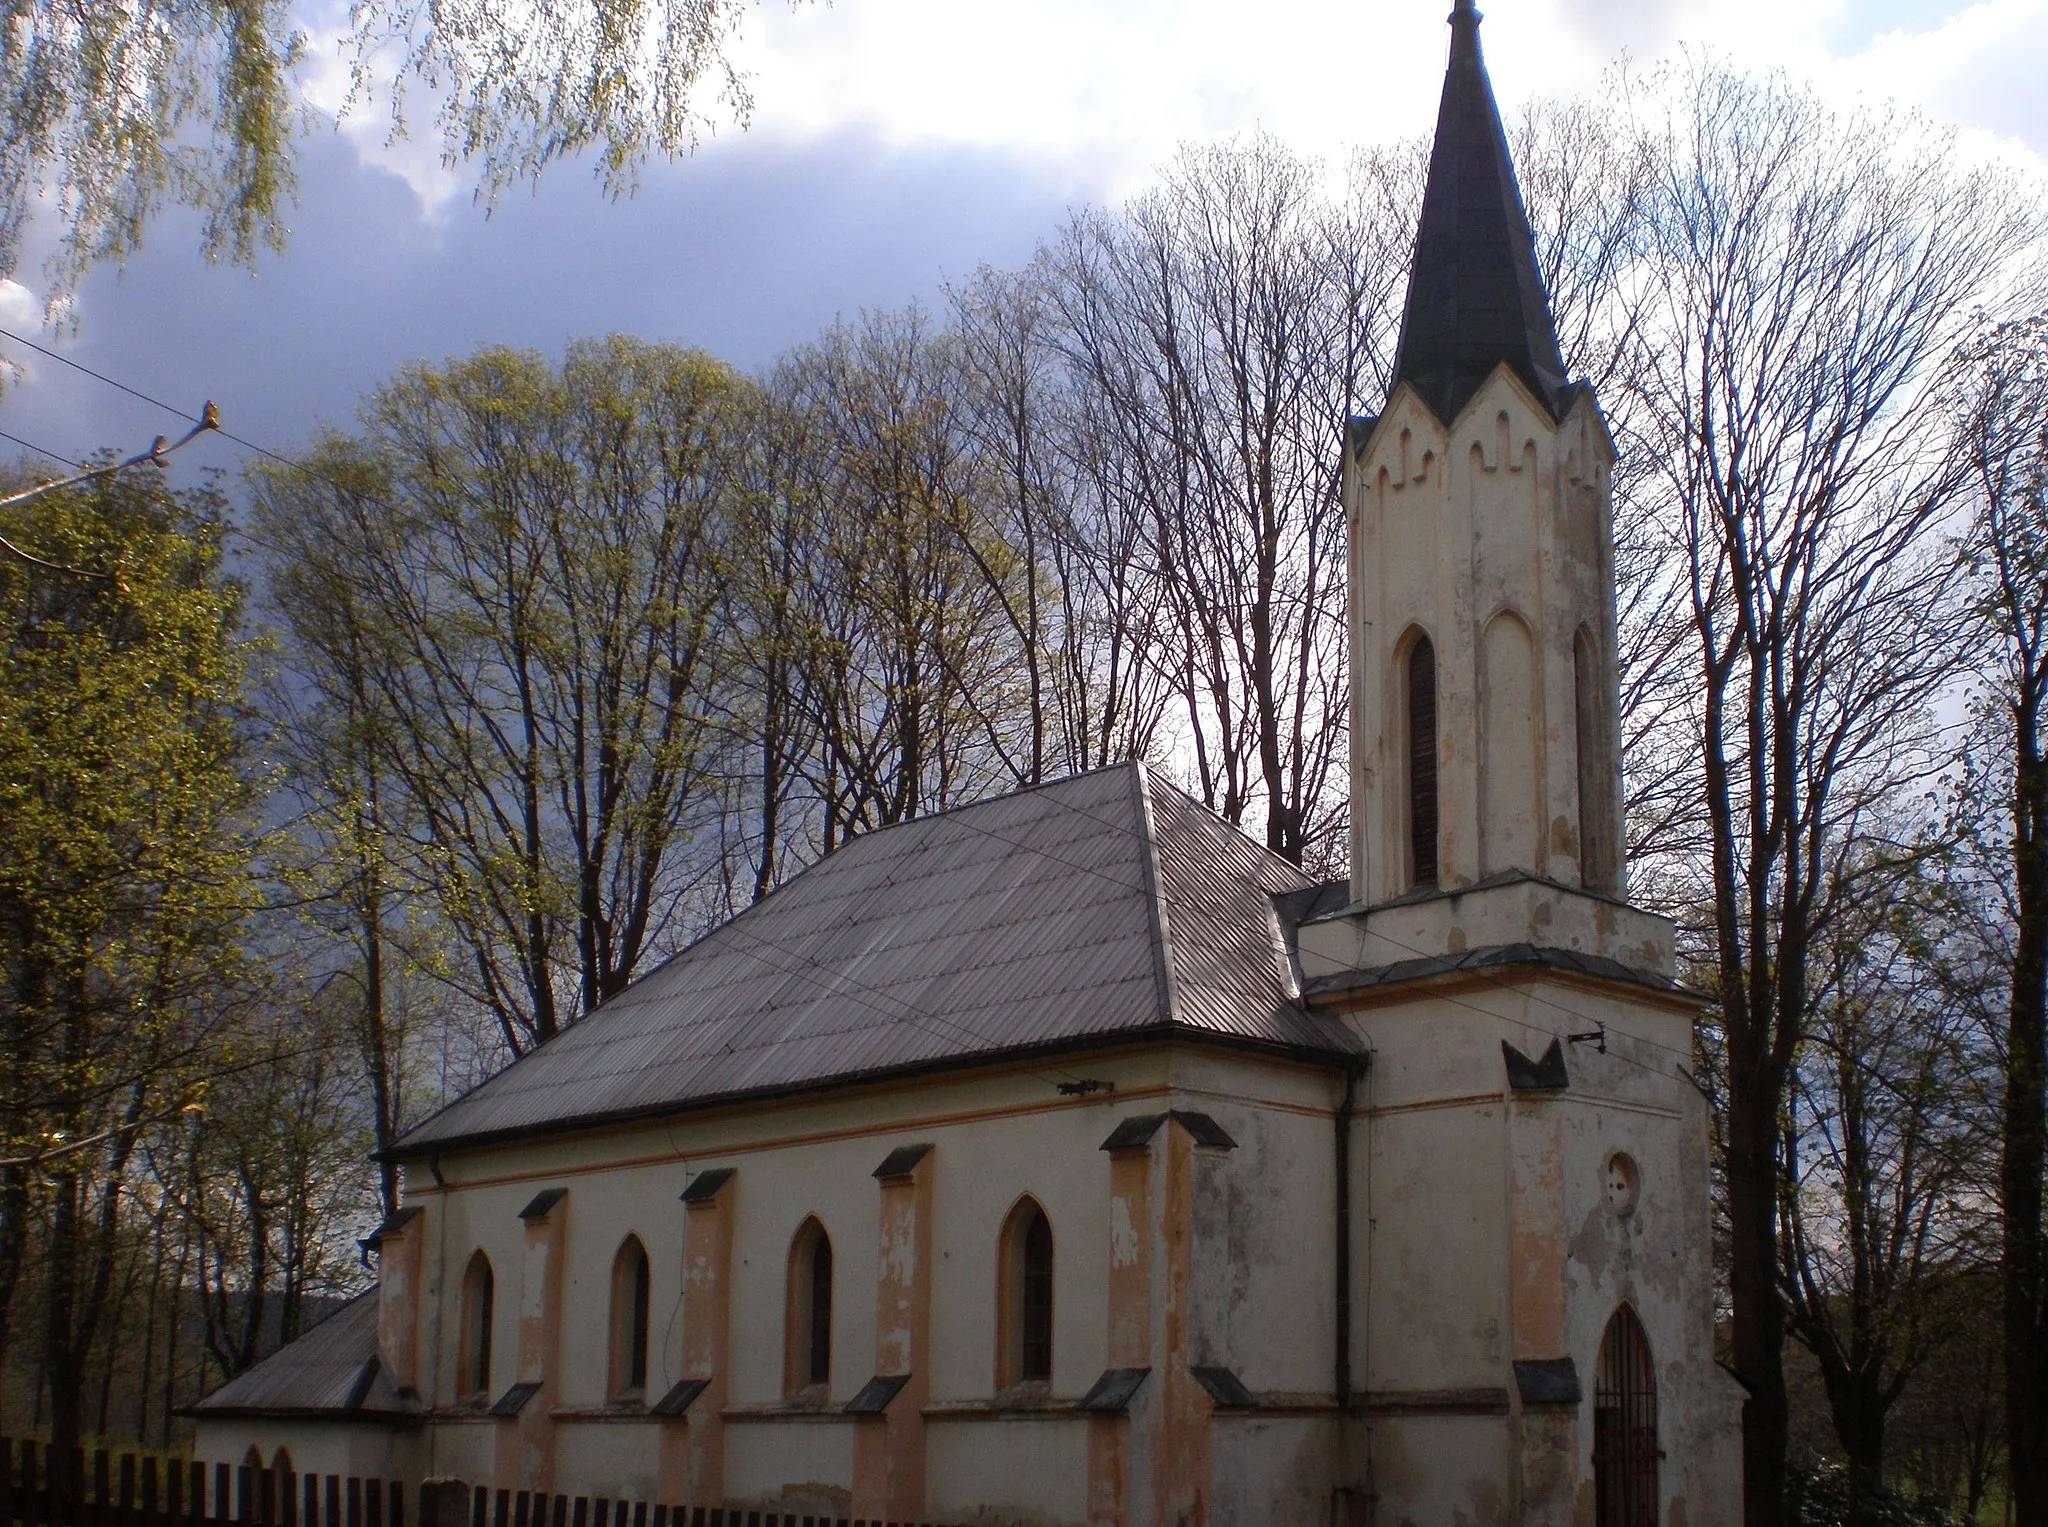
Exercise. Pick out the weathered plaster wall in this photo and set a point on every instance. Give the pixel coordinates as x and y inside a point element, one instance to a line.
<point>1455,524</point>
<point>625,1450</point>
<point>1490,1236</point>
<point>316,1447</point>
<point>792,1465</point>
<point>1015,1472</point>
<point>1480,1234</point>
<point>1239,1253</point>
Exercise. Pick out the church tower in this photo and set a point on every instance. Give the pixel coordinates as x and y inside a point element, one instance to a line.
<point>1534,1272</point>
<point>1482,574</point>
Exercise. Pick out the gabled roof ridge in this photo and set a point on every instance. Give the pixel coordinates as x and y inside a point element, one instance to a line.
<point>1159,780</point>
<point>1162,924</point>
<point>1104,908</point>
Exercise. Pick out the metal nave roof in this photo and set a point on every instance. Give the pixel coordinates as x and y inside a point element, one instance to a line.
<point>1102,906</point>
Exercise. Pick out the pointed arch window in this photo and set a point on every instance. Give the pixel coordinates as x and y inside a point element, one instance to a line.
<point>473,1360</point>
<point>1422,794</point>
<point>1596,836</point>
<point>808,1347</point>
<point>1625,1427</point>
<point>1024,1298</point>
<point>632,1303</point>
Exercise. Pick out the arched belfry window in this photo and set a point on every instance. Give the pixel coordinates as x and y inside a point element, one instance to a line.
<point>632,1303</point>
<point>1024,1298</point>
<point>1596,826</point>
<point>1625,1427</point>
<point>473,1359</point>
<point>1421,711</point>
<point>809,1342</point>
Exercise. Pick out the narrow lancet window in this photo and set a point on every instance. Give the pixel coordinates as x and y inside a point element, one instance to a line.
<point>1037,1311</point>
<point>1596,847</point>
<point>810,1308</point>
<point>1422,812</point>
<point>473,1368</point>
<point>1024,1299</point>
<point>632,1299</point>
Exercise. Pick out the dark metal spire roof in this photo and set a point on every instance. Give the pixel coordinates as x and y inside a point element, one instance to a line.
<point>1474,296</point>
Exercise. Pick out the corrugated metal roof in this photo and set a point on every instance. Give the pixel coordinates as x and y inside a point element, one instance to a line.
<point>331,1372</point>
<point>1105,904</point>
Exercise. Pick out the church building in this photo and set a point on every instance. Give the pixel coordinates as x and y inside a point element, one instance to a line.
<point>1070,1159</point>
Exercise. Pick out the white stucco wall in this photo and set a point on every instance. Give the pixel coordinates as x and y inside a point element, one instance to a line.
<point>1434,1157</point>
<point>1014,1472</point>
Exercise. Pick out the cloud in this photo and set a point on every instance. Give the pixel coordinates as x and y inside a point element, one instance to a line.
<point>753,247</point>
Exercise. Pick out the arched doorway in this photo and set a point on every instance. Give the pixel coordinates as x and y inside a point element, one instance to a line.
<point>1625,1427</point>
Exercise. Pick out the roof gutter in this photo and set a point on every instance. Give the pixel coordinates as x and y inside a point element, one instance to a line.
<point>1155,1033</point>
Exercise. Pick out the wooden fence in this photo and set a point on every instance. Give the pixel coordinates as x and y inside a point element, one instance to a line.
<point>99,1489</point>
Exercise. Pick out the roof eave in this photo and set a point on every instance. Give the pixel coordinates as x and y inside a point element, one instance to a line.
<point>1332,1056</point>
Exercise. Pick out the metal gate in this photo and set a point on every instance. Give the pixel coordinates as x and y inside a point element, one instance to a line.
<point>1625,1427</point>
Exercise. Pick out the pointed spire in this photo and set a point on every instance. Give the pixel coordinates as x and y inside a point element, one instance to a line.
<point>1474,296</point>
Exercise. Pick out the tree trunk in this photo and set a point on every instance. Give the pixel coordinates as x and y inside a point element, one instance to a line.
<point>1758,1318</point>
<point>2026,1149</point>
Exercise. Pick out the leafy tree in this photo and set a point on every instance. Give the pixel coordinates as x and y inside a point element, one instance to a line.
<point>116,111</point>
<point>505,596</point>
<point>124,845</point>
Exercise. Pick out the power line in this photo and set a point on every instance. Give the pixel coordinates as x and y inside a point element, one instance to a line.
<point>136,392</point>
<point>39,451</point>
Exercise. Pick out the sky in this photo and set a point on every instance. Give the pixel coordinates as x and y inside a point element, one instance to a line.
<point>895,146</point>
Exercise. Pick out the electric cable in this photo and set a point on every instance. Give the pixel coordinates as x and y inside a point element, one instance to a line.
<point>39,451</point>
<point>136,392</point>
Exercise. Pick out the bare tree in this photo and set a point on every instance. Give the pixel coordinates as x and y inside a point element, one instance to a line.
<point>1881,1213</point>
<point>1224,326</point>
<point>918,699</point>
<point>1799,274</point>
<point>2000,408</point>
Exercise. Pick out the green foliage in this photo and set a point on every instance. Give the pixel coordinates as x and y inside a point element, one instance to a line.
<point>505,595</point>
<point>116,111</point>
<point>124,875</point>
<point>123,866</point>
<point>1819,1496</point>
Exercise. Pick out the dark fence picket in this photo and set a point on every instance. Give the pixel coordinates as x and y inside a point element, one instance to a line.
<point>96,1488</point>
<point>75,1495</point>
